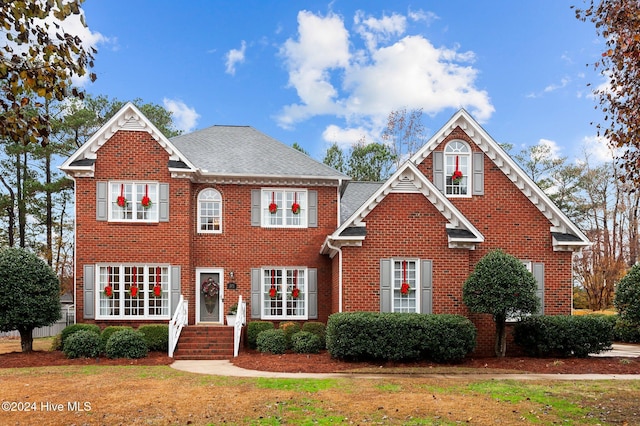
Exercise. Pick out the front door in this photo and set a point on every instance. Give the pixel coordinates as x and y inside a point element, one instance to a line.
<point>209,296</point>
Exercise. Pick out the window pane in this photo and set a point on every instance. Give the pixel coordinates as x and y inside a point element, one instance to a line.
<point>404,272</point>
<point>134,293</point>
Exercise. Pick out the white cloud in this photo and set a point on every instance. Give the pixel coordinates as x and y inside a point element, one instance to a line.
<point>420,15</point>
<point>362,86</point>
<point>184,117</point>
<point>374,31</point>
<point>345,138</point>
<point>597,149</point>
<point>235,56</point>
<point>553,87</point>
<point>554,148</point>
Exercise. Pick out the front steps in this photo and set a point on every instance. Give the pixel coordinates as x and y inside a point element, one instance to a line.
<point>204,342</point>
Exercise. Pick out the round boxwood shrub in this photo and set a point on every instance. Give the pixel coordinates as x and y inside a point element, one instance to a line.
<point>108,332</point>
<point>305,342</point>
<point>82,344</point>
<point>290,328</point>
<point>254,328</point>
<point>126,343</point>
<point>317,328</point>
<point>272,341</point>
<point>156,336</point>
<point>74,328</point>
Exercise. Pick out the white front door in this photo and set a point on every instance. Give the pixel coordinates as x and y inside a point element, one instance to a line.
<point>209,295</point>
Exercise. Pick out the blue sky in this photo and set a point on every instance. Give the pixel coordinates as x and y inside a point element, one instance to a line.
<point>316,72</point>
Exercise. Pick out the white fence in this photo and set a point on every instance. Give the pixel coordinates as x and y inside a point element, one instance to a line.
<point>68,318</point>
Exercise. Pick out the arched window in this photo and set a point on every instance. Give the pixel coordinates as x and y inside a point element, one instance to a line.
<point>209,211</point>
<point>457,168</point>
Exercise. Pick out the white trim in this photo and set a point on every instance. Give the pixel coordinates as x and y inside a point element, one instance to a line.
<point>99,290</point>
<point>199,216</point>
<point>305,294</point>
<point>408,172</point>
<point>558,220</point>
<point>416,287</point>
<point>303,215</point>
<point>128,118</point>
<point>198,281</point>
<point>111,200</point>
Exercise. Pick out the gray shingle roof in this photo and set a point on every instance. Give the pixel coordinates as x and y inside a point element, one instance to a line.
<point>244,151</point>
<point>354,197</point>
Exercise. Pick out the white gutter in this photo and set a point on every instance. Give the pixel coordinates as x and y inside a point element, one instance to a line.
<point>339,250</point>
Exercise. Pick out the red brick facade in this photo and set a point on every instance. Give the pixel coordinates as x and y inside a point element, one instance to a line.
<point>401,224</point>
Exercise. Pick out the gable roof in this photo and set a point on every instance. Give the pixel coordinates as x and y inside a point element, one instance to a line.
<point>221,154</point>
<point>130,118</point>
<point>566,235</point>
<point>235,152</point>
<point>407,179</point>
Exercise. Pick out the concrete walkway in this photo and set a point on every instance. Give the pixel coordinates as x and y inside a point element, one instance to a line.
<point>226,368</point>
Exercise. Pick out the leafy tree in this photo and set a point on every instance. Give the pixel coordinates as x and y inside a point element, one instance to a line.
<point>334,157</point>
<point>297,147</point>
<point>370,162</point>
<point>29,294</point>
<point>627,299</point>
<point>540,164</point>
<point>618,22</point>
<point>502,286</point>
<point>37,59</point>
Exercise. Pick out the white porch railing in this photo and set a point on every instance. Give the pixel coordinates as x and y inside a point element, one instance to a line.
<point>179,320</point>
<point>241,317</point>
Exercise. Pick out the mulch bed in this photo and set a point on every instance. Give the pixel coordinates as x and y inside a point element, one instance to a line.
<point>323,363</point>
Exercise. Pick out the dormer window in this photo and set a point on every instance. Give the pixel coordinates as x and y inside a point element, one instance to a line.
<point>457,168</point>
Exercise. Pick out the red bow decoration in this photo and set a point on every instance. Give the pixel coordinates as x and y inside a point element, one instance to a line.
<point>108,290</point>
<point>121,200</point>
<point>296,291</point>
<point>273,207</point>
<point>404,288</point>
<point>457,174</point>
<point>273,291</point>
<point>146,201</point>
<point>295,207</point>
<point>157,289</point>
<point>134,286</point>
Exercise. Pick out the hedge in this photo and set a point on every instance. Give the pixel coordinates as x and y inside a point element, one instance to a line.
<point>399,336</point>
<point>156,336</point>
<point>564,335</point>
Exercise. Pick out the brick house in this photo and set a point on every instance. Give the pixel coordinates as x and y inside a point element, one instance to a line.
<point>158,217</point>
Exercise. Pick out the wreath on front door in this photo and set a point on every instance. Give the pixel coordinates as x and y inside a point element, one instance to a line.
<point>210,288</point>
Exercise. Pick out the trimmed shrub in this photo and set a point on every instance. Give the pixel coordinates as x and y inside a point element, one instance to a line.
<point>304,342</point>
<point>272,341</point>
<point>625,331</point>
<point>254,328</point>
<point>564,335</point>
<point>108,332</point>
<point>73,328</point>
<point>627,297</point>
<point>56,343</point>
<point>290,328</point>
<point>317,328</point>
<point>399,337</point>
<point>82,344</point>
<point>126,343</point>
<point>156,336</point>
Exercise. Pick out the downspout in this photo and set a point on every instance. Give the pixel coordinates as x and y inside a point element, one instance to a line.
<point>75,251</point>
<point>339,250</point>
